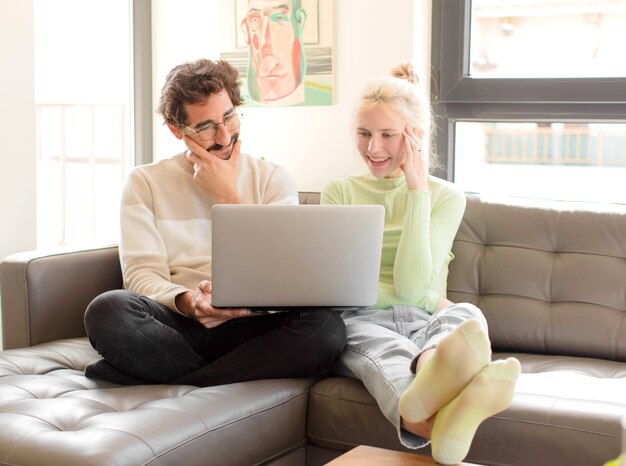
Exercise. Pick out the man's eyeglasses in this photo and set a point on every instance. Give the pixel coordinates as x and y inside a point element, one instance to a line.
<point>207,132</point>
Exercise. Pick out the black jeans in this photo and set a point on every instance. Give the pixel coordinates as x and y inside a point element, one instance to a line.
<point>147,342</point>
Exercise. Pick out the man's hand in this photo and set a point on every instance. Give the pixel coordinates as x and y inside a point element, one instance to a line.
<point>214,175</point>
<point>414,166</point>
<point>197,305</point>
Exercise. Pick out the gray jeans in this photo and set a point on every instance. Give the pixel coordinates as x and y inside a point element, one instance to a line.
<point>382,343</point>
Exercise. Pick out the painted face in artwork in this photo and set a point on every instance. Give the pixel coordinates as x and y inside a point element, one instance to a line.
<point>273,32</point>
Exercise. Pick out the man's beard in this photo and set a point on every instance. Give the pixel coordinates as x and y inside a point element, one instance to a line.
<point>218,147</point>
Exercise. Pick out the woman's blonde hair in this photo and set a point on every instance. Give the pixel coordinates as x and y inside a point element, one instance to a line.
<point>401,94</point>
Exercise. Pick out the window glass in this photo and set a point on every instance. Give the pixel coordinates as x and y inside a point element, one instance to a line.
<point>82,96</point>
<point>567,161</point>
<point>543,39</point>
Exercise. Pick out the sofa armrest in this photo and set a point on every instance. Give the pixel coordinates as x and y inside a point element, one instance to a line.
<point>44,295</point>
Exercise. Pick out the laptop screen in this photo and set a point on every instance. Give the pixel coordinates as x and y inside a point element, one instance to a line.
<point>281,256</point>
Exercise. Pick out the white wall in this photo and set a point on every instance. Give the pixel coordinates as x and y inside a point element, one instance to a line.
<point>17,129</point>
<point>314,143</point>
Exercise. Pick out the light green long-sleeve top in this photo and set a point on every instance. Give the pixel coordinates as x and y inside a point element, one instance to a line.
<point>419,230</point>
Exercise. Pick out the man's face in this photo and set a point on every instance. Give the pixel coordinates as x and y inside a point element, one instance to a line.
<point>273,33</point>
<point>211,112</point>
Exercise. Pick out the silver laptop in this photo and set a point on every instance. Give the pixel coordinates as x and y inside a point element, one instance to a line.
<point>289,256</point>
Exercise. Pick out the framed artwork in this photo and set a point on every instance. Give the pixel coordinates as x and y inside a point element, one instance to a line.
<point>283,50</point>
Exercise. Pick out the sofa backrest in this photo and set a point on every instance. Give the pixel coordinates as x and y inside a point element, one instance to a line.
<point>550,277</point>
<point>309,197</point>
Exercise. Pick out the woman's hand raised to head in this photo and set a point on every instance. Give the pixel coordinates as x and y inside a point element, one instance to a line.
<point>415,166</point>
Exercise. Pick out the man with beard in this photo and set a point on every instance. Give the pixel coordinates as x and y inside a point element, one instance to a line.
<point>162,328</point>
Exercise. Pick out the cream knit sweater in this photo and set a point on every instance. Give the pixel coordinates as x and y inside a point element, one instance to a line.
<point>165,242</point>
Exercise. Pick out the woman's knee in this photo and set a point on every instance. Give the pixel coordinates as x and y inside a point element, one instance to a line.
<point>461,312</point>
<point>477,314</point>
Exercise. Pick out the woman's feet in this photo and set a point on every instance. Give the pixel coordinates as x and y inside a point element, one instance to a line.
<point>457,359</point>
<point>489,392</point>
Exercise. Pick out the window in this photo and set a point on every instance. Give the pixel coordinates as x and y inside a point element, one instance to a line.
<point>539,39</point>
<point>529,96</point>
<point>86,125</point>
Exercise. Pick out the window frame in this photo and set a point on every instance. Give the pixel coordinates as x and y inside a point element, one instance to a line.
<point>141,69</point>
<point>457,96</point>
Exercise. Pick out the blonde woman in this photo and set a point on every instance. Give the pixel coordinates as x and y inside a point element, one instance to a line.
<point>426,361</point>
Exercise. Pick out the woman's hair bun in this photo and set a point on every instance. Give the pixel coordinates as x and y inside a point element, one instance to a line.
<point>405,71</point>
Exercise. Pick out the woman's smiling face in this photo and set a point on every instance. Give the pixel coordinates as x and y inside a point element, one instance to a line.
<point>380,141</point>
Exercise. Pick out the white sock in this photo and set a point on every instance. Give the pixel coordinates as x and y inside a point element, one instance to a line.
<point>457,359</point>
<point>490,392</point>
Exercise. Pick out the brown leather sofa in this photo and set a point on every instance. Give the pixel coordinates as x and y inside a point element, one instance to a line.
<point>550,278</point>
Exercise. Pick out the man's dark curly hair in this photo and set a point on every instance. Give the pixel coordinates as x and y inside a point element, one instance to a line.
<point>191,83</point>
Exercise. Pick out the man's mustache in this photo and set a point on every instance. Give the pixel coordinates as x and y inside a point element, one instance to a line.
<point>233,139</point>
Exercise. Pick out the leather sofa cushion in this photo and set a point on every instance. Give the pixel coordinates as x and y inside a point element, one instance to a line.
<point>59,417</point>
